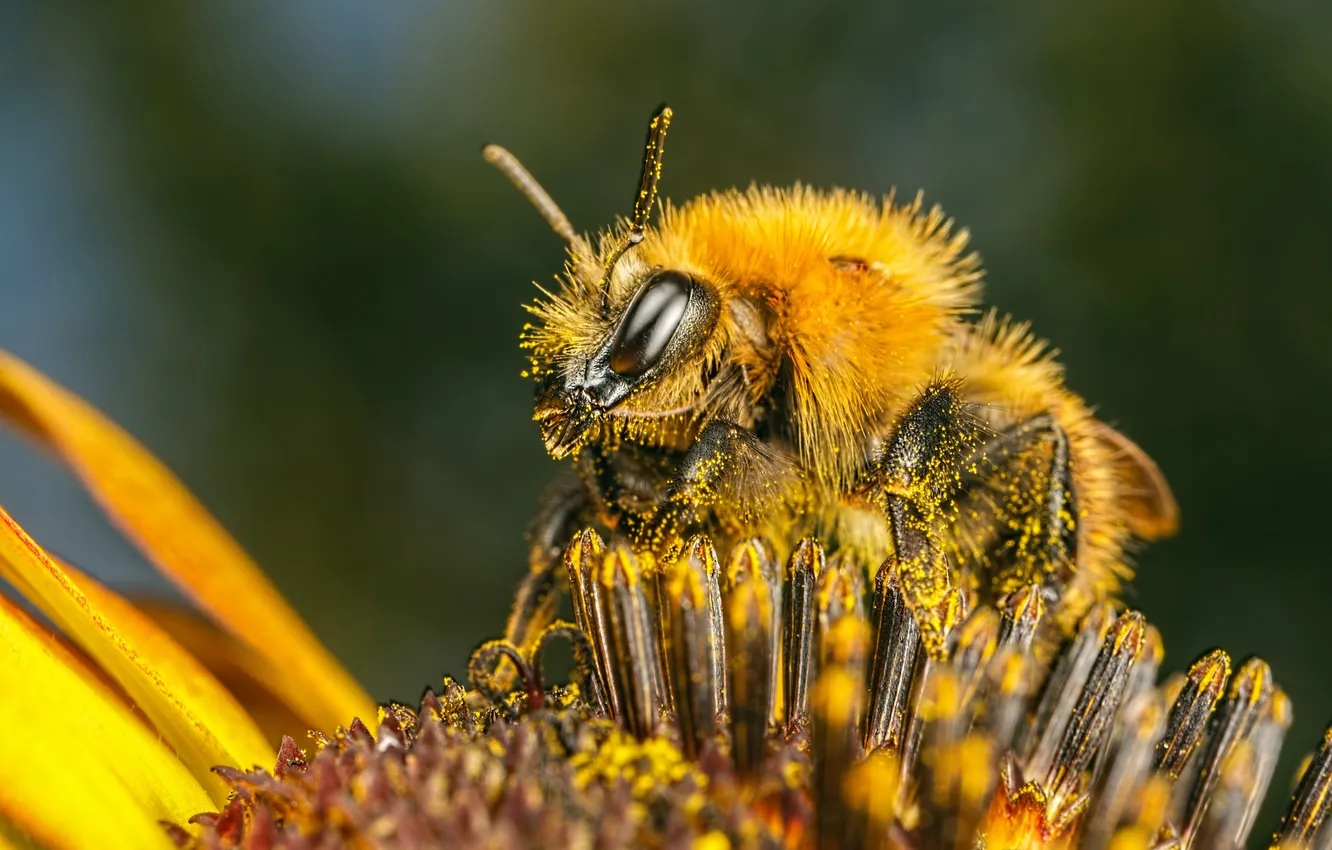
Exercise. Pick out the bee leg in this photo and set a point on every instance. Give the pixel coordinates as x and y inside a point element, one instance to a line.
<point>620,483</point>
<point>916,477</point>
<point>562,509</point>
<point>1018,508</point>
<point>726,464</point>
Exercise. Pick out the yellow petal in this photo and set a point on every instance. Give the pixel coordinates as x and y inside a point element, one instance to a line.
<point>76,768</point>
<point>185,542</point>
<point>197,717</point>
<point>247,676</point>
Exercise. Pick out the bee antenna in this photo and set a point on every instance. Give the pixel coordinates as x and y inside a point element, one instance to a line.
<point>646,197</point>
<point>531,189</point>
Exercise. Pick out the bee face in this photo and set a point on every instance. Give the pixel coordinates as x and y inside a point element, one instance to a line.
<point>662,329</point>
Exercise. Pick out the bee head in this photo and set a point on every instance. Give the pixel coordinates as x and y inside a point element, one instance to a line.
<point>616,331</point>
<point>600,366</point>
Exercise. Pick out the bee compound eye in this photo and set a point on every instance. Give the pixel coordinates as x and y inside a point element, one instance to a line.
<point>649,323</point>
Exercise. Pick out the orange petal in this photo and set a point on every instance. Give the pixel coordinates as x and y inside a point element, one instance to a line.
<point>178,535</point>
<point>246,675</point>
<point>197,717</point>
<point>76,768</point>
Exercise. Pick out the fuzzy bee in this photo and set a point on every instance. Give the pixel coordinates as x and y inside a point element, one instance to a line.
<point>792,362</point>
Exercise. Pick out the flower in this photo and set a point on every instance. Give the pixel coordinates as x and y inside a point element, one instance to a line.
<point>718,702</point>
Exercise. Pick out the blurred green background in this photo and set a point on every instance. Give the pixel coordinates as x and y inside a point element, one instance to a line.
<point>261,237</point>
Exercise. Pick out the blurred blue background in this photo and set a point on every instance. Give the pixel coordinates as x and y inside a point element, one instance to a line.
<point>262,238</point>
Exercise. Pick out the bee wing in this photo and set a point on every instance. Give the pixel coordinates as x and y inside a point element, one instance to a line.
<point>1150,508</point>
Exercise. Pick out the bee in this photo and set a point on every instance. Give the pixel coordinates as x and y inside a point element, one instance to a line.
<point>793,362</point>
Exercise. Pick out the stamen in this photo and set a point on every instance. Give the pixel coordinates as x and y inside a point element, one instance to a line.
<point>1010,681</point>
<point>838,699</point>
<point>1126,770</point>
<point>749,649</point>
<point>975,644</point>
<point>693,648</point>
<point>957,770</point>
<point>1020,613</point>
<point>633,658</point>
<point>1189,715</point>
<point>1089,726</point>
<point>1062,690</point>
<point>1312,800</point>
<point>1236,721</point>
<point>581,559</point>
<point>1267,741</point>
<point>755,557</point>
<point>803,571</point>
<point>896,645</point>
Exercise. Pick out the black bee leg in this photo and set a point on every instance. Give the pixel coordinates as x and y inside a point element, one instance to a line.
<point>726,463</point>
<point>917,475</point>
<point>562,509</point>
<point>1018,511</point>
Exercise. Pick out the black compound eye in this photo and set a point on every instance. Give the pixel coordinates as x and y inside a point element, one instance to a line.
<point>648,325</point>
